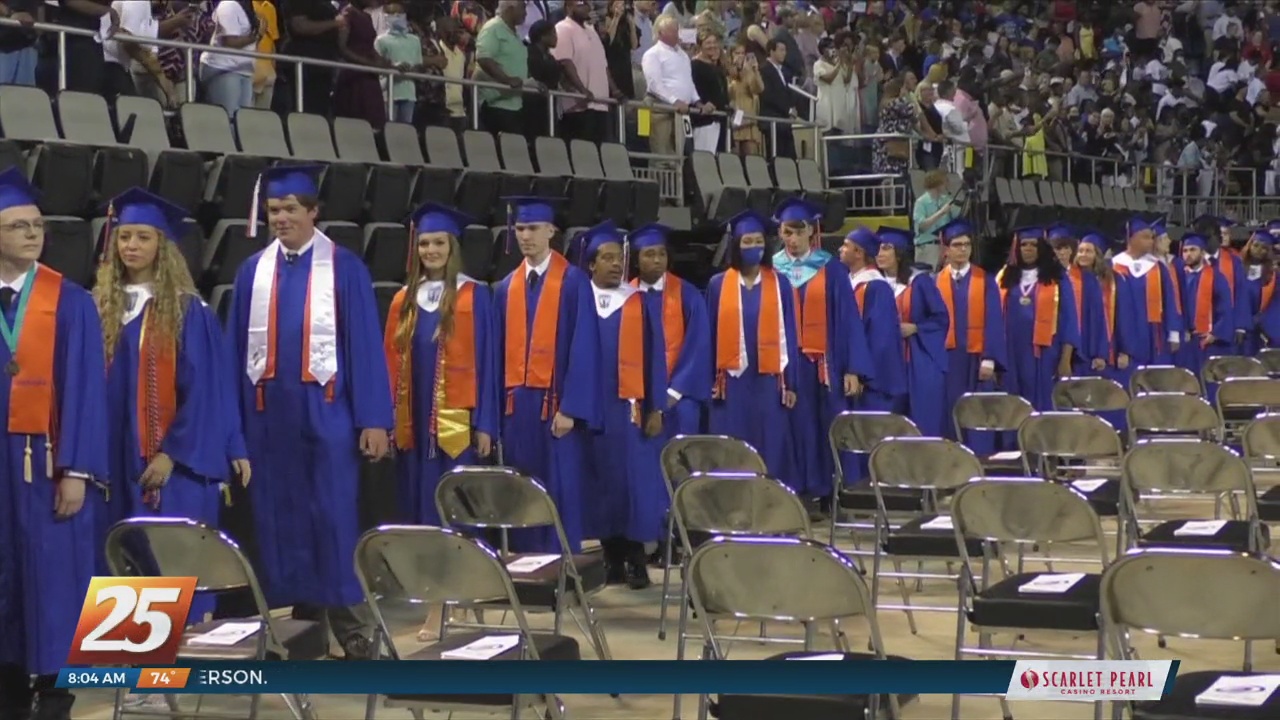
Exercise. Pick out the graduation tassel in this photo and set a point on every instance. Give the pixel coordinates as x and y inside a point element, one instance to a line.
<point>48,457</point>
<point>511,401</point>
<point>26,462</point>
<point>106,232</point>
<point>252,231</point>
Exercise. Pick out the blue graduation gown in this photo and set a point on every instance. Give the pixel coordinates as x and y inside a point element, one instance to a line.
<point>194,440</point>
<point>527,443</point>
<point>305,449</point>
<point>816,404</point>
<point>628,497</point>
<point>1033,370</point>
<point>1191,355</point>
<point>420,467</point>
<point>1091,317</point>
<point>752,408</point>
<point>691,375</point>
<point>1263,328</point>
<point>1149,343</point>
<point>962,365</point>
<point>1238,290</point>
<point>46,563</point>
<point>926,354</point>
<point>887,389</point>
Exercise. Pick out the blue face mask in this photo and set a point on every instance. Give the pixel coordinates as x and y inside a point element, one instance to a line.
<point>398,23</point>
<point>752,256</point>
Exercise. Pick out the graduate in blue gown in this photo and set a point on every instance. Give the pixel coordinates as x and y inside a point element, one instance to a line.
<point>751,308</point>
<point>835,361</point>
<point>1040,319</point>
<point>166,374</point>
<point>53,458</point>
<point>315,403</point>
<point>924,323</point>
<point>629,497</point>
<point>1152,315</point>
<point>1263,328</point>
<point>1095,341</point>
<point>682,310</point>
<point>1228,261</point>
<point>1207,307</point>
<point>549,350</point>
<point>878,310</point>
<point>975,342</point>
<point>442,362</point>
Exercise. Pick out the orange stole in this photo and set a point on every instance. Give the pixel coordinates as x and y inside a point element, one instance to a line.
<point>728,332</point>
<point>1045,323</point>
<point>1155,296</point>
<point>1077,279</point>
<point>631,354</point>
<point>455,370</point>
<point>532,363</point>
<point>975,332</point>
<point>904,315</point>
<point>813,323</point>
<point>32,395</point>
<point>270,371</point>
<point>672,319</point>
<point>1203,323</point>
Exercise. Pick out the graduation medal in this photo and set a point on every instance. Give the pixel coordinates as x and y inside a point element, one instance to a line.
<point>1026,295</point>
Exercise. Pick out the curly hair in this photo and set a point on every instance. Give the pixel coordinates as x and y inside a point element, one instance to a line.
<point>171,283</point>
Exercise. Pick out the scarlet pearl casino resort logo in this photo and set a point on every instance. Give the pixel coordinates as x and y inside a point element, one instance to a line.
<point>1089,680</point>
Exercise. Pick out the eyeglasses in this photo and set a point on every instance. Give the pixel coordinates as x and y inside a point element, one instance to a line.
<point>23,226</point>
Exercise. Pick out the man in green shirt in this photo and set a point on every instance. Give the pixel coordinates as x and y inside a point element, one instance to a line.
<point>503,58</point>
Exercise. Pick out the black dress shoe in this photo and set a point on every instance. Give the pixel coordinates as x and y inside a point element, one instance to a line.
<point>357,647</point>
<point>53,705</point>
<point>638,575</point>
<point>615,573</point>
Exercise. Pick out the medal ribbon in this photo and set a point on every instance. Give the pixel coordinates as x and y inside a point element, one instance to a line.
<point>11,334</point>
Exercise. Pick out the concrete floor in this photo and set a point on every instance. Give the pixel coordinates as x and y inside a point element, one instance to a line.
<point>630,619</point>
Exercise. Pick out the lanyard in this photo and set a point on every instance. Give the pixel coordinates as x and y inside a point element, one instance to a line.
<point>11,334</point>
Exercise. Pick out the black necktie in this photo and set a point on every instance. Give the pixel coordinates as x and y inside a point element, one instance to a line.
<point>532,279</point>
<point>6,297</point>
<point>289,257</point>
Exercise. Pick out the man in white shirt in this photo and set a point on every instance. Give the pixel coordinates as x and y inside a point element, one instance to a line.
<point>126,61</point>
<point>954,126</point>
<point>668,76</point>
<point>1228,25</point>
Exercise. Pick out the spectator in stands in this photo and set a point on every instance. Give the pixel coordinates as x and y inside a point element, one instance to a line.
<point>313,33</point>
<point>546,69</point>
<point>18,54</point>
<point>430,109</point>
<point>933,209</point>
<point>668,75</point>
<point>646,11</point>
<point>745,87</point>
<point>264,69</point>
<point>228,79</point>
<point>929,123</point>
<point>776,101</point>
<point>358,94</point>
<point>897,115</point>
<point>403,50</point>
<point>455,45</point>
<point>83,59</point>
<point>580,51</point>
<point>712,84</point>
<point>125,61</point>
<point>174,61</point>
<point>793,59</point>
<point>682,11</point>
<point>503,59</point>
<point>621,40</point>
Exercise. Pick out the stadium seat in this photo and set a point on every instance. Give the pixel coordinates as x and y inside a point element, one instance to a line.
<point>516,159</point>
<point>260,132</point>
<point>710,198</point>
<point>787,176</point>
<point>615,195</point>
<point>190,244</point>
<point>230,174</point>
<point>68,248</point>
<point>384,293</point>
<point>344,234</point>
<point>343,191</point>
<point>85,121</point>
<point>63,171</point>
<point>582,196</point>
<point>482,155</point>
<point>498,258</point>
<point>645,195</point>
<point>228,247</point>
<point>757,170</point>
<point>403,146</point>
<point>386,251</point>
<point>733,176</point>
<point>815,187</point>
<point>220,301</point>
<point>476,192</point>
<point>176,175</point>
<point>387,193</point>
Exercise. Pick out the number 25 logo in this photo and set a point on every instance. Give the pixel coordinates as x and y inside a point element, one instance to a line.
<point>132,621</point>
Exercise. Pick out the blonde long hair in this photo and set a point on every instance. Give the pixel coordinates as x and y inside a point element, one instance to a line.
<point>408,320</point>
<point>171,282</point>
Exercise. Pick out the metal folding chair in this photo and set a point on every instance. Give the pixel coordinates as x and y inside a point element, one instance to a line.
<point>683,456</point>
<point>1226,367</point>
<point>992,412</point>
<point>503,499</point>
<point>1239,400</point>
<point>810,584</point>
<point>1270,358</point>
<point>933,468</point>
<point>1077,448</point>
<point>1089,394</point>
<point>858,433</point>
<point>1260,444</point>
<point>1163,379</point>
<point>176,547</point>
<point>1172,415</point>
<point>1198,595</point>
<point>1024,512</point>
<point>403,567</point>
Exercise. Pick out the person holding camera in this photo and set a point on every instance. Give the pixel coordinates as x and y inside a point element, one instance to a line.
<point>932,210</point>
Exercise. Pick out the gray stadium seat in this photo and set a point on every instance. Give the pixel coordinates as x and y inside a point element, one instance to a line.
<point>344,234</point>
<point>402,145</point>
<point>482,155</point>
<point>228,247</point>
<point>386,251</point>
<point>645,198</point>
<point>815,188</point>
<point>615,196</point>
<point>516,159</point>
<point>220,301</point>
<point>711,199</point>
<point>473,191</point>
<point>733,176</point>
<point>68,248</point>
<point>84,120</point>
<point>63,171</point>
<point>176,175</point>
<point>191,244</point>
<point>787,177</point>
<point>757,170</point>
<point>387,193</point>
<point>260,132</point>
<point>343,191</point>
<point>230,174</point>
<point>582,196</point>
<point>384,293</point>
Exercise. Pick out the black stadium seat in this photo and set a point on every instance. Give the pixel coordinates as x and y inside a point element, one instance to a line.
<point>176,175</point>
<point>832,201</point>
<point>387,193</point>
<point>63,171</point>
<point>615,195</point>
<point>473,191</point>
<point>480,259</point>
<point>228,247</point>
<point>230,175</point>
<point>384,293</point>
<point>84,120</point>
<point>516,159</point>
<point>402,145</point>
<point>345,234</point>
<point>734,176</point>
<point>69,248</point>
<point>582,195</point>
<point>342,192</point>
<point>386,247</point>
<point>220,301</point>
<point>710,197</point>
<point>644,193</point>
<point>481,155</point>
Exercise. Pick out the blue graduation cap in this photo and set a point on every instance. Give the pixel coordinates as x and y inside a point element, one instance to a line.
<point>1135,225</point>
<point>431,217</point>
<point>592,239</point>
<point>1263,236</point>
<point>1158,227</point>
<point>1273,227</point>
<point>136,206</point>
<point>795,209</point>
<point>530,209</point>
<point>958,227</point>
<point>1023,234</point>
<point>281,181</point>
<point>866,240</point>
<point>1195,240</point>
<point>900,239</point>
<point>16,190</point>
<point>1096,239</point>
<point>1061,231</point>
<point>746,223</point>
<point>647,236</point>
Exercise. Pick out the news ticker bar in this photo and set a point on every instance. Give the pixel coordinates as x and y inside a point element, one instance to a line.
<point>1029,679</point>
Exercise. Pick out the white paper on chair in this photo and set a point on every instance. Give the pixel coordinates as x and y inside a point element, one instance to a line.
<point>1248,691</point>
<point>1051,583</point>
<point>942,522</point>
<point>227,634</point>
<point>530,563</point>
<point>1006,456</point>
<point>823,656</point>
<point>1200,528</point>
<point>482,649</point>
<point>1088,486</point>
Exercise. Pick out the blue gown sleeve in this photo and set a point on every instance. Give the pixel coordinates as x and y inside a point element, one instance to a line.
<point>1093,325</point>
<point>580,348</point>
<point>368,385</point>
<point>81,376</point>
<point>233,344</point>
<point>488,379</point>
<point>932,320</point>
<point>655,366</point>
<point>1241,297</point>
<point>713,316</point>
<point>1268,319</point>
<point>1173,321</point>
<point>1224,325</point>
<point>790,375</point>
<point>994,342</point>
<point>692,374</point>
<point>844,321</point>
<point>884,334</point>
<point>198,437</point>
<point>1068,323</point>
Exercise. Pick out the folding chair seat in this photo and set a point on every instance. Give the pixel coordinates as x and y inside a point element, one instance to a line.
<point>1225,367</point>
<point>582,194</point>
<point>1240,399</point>
<point>399,568</point>
<point>1260,445</point>
<point>857,433</point>
<point>1163,379</point>
<point>815,186</point>
<point>733,176</point>
<point>497,498</point>
<point>230,175</point>
<point>482,155</point>
<point>993,412</point>
<point>174,547</point>
<point>176,175</point>
<point>1172,415</point>
<point>1005,605</point>
<point>388,184</point>
<point>342,192</point>
<point>386,251</point>
<point>69,248</point>
<point>228,247</point>
<point>1077,449</point>
<point>62,170</point>
<point>711,199</point>
<point>344,234</point>
<point>615,195</point>
<point>516,159</point>
<point>451,182</point>
<point>84,120</point>
<point>645,193</point>
<point>220,301</point>
<point>1270,359</point>
<point>1089,394</point>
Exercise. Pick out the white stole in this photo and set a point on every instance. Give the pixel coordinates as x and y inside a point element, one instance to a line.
<point>430,292</point>
<point>137,297</point>
<point>1137,267</point>
<point>322,353</point>
<point>611,300</point>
